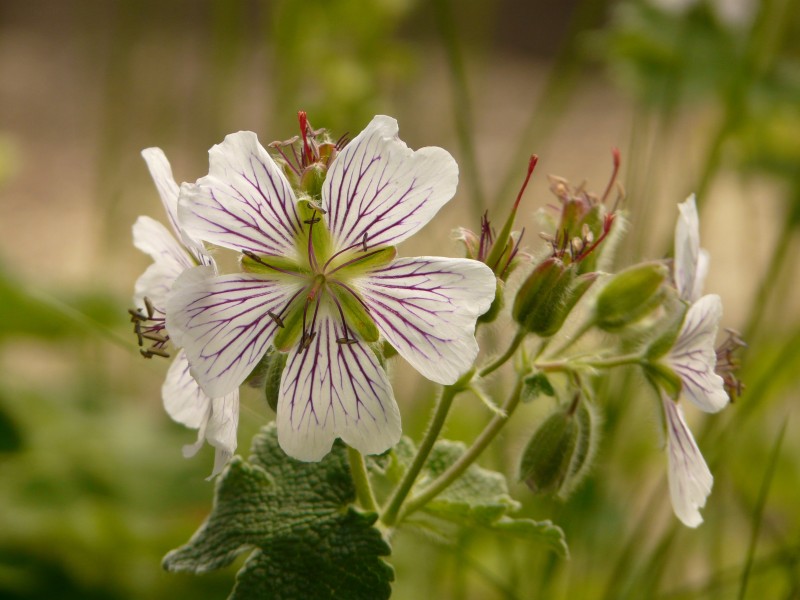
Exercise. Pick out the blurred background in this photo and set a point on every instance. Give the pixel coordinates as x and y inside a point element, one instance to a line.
<point>699,96</point>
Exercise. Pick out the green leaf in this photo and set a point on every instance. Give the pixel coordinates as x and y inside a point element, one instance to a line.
<point>479,498</point>
<point>295,518</point>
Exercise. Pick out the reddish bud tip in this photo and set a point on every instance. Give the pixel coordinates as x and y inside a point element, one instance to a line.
<point>532,163</point>
<point>617,157</point>
<point>303,118</point>
<point>531,166</point>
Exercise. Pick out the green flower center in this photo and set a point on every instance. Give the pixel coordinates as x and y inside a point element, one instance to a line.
<point>326,278</point>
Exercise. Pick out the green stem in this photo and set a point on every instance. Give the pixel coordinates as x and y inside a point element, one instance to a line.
<point>465,460</point>
<point>358,471</point>
<point>587,325</point>
<point>501,360</point>
<point>600,363</point>
<point>389,514</point>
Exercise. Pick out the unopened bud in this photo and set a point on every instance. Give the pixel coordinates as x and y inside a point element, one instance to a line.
<point>630,295</point>
<point>540,300</point>
<point>312,179</point>
<point>561,450</point>
<point>497,304</point>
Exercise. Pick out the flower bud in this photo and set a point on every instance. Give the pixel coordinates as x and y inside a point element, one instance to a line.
<point>560,452</point>
<point>546,459</point>
<point>539,302</point>
<point>312,179</point>
<point>496,306</point>
<point>630,295</point>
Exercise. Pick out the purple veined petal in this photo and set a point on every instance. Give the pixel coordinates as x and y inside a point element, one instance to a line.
<point>224,324</point>
<point>244,203</point>
<point>333,390</point>
<point>694,357</point>
<point>426,308</point>
<point>690,481</point>
<point>169,261</point>
<point>190,277</point>
<point>380,188</point>
<point>687,250</point>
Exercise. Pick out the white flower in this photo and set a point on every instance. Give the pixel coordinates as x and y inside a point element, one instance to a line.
<point>690,480</point>
<point>693,359</point>
<point>322,282</point>
<point>215,418</point>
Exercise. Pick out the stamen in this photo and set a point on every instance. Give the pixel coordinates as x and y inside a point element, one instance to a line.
<point>304,127</point>
<point>149,306</point>
<point>307,339</point>
<point>151,352</point>
<point>154,337</point>
<point>276,318</point>
<point>364,241</point>
<point>312,220</point>
<point>531,166</point>
<point>345,339</point>
<point>255,258</point>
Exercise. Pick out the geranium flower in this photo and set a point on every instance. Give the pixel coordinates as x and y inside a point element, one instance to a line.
<point>215,418</point>
<point>321,282</point>
<point>693,359</point>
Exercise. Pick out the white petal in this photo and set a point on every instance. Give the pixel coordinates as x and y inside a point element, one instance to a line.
<point>244,203</point>
<point>161,172</point>
<point>426,308</point>
<point>687,251</point>
<point>216,420</point>
<point>170,260</point>
<point>690,480</point>
<point>694,357</point>
<point>223,323</point>
<point>221,429</point>
<point>379,187</point>
<point>183,399</point>
<point>334,391</point>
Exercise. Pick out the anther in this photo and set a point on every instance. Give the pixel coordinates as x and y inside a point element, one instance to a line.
<point>154,337</point>
<point>346,341</point>
<point>254,257</point>
<point>307,339</point>
<point>137,329</point>
<point>136,315</point>
<point>276,318</point>
<point>364,241</point>
<point>312,220</point>
<point>149,306</point>
<point>316,207</point>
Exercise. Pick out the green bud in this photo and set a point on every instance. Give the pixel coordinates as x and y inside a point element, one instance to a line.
<point>630,295</point>
<point>588,424</point>
<point>275,363</point>
<point>579,286</point>
<point>312,179</point>
<point>540,301</point>
<point>546,459</point>
<point>496,306</point>
<point>560,452</point>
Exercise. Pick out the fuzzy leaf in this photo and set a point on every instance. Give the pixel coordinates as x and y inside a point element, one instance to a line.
<point>295,519</point>
<point>479,498</point>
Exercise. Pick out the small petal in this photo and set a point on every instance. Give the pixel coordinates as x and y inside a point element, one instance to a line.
<point>379,188</point>
<point>244,203</point>
<point>688,278</point>
<point>426,308</point>
<point>332,390</point>
<point>183,399</point>
<point>169,261</point>
<point>693,357</point>
<point>161,172</point>
<point>216,420</point>
<point>690,481</point>
<point>224,325</point>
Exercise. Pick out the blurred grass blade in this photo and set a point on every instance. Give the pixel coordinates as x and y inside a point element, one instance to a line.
<point>758,513</point>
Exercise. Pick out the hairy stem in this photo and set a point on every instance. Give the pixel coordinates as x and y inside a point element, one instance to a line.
<point>501,360</point>
<point>465,460</point>
<point>358,471</point>
<point>392,509</point>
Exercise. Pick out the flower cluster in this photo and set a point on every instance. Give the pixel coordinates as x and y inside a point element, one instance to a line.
<point>315,228</point>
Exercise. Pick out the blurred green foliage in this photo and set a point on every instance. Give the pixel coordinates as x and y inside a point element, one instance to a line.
<point>94,490</point>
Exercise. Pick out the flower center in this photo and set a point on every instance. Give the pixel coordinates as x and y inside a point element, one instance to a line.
<point>328,284</point>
